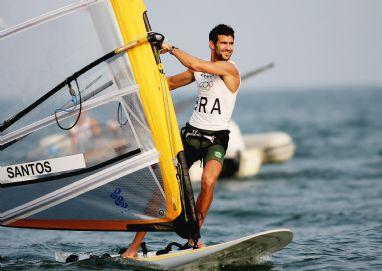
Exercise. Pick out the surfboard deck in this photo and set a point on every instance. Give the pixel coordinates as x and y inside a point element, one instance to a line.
<point>247,249</point>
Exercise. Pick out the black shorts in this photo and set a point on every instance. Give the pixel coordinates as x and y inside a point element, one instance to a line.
<point>204,145</point>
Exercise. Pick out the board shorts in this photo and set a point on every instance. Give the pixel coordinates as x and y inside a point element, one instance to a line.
<point>204,145</point>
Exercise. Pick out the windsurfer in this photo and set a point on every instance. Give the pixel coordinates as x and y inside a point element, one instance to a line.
<point>206,135</point>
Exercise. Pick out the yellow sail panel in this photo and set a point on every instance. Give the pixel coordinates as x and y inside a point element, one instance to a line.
<point>155,98</point>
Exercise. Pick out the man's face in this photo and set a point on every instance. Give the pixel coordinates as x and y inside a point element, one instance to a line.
<point>223,48</point>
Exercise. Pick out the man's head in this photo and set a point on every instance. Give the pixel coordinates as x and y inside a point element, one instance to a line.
<point>221,41</point>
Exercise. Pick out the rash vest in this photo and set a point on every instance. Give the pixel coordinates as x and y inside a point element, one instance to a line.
<point>214,104</point>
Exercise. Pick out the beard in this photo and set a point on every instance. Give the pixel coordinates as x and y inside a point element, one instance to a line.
<point>222,55</point>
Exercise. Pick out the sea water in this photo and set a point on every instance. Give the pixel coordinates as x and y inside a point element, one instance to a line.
<point>329,194</point>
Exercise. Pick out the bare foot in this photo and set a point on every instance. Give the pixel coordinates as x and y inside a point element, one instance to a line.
<point>200,244</point>
<point>129,254</point>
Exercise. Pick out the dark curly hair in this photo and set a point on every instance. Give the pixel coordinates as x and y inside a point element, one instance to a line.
<point>221,29</point>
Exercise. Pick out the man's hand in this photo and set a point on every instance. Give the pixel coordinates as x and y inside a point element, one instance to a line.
<point>166,47</point>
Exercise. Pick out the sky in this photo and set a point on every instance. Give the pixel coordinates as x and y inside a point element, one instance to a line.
<point>312,43</point>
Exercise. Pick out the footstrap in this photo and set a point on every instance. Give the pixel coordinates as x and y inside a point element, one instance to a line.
<point>144,249</point>
<point>168,248</point>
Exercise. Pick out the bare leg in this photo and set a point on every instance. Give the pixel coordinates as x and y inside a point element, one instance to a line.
<point>131,252</point>
<point>210,176</point>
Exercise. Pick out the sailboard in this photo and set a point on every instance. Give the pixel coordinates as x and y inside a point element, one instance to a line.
<point>89,139</point>
<point>249,249</point>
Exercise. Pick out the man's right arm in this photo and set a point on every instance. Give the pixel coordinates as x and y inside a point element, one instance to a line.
<point>180,79</point>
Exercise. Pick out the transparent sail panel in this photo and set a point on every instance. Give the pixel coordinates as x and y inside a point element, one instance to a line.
<point>41,56</point>
<point>70,97</point>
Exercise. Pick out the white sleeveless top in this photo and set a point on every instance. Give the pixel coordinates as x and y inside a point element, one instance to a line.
<point>215,103</point>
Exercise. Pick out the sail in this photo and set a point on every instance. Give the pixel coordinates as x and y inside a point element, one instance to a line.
<point>89,137</point>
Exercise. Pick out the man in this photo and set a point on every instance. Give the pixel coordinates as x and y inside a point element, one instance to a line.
<point>206,135</point>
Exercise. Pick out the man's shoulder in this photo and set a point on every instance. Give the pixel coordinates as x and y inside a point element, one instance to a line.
<point>235,70</point>
<point>233,63</point>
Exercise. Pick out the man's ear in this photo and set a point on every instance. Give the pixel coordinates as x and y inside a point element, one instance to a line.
<point>212,45</point>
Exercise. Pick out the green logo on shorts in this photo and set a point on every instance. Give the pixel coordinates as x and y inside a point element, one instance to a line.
<point>218,154</point>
